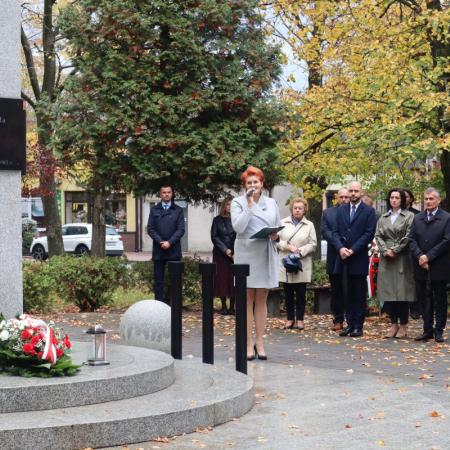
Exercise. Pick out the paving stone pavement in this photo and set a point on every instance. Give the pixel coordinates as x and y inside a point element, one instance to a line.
<point>320,391</point>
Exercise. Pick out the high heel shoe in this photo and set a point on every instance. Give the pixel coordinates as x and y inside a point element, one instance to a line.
<point>252,356</point>
<point>402,332</point>
<point>289,327</point>
<point>262,357</point>
<point>392,333</point>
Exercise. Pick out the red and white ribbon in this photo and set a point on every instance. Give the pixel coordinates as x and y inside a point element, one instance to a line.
<point>49,353</point>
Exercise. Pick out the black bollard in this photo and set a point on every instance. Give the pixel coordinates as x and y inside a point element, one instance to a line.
<point>176,269</point>
<point>208,271</point>
<point>241,272</point>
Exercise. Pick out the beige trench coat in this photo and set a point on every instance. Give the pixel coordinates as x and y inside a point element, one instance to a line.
<point>305,239</point>
<point>395,276</point>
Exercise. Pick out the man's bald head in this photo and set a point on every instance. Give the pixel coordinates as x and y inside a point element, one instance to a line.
<point>355,191</point>
<point>342,196</point>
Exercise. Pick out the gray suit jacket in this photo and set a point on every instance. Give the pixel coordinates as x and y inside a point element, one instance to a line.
<point>260,254</point>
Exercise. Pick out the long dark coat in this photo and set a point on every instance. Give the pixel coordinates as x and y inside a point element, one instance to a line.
<point>326,229</point>
<point>431,239</point>
<point>355,235</point>
<point>395,276</point>
<point>222,234</point>
<point>166,225</point>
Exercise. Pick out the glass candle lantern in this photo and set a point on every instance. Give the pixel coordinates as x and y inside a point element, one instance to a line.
<point>98,357</point>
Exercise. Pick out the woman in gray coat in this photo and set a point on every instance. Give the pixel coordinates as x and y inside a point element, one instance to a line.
<point>249,214</point>
<point>395,285</point>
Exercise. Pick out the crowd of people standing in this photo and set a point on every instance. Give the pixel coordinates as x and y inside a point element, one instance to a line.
<point>413,246</point>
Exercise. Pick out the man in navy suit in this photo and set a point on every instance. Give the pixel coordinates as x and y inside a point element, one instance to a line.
<point>326,229</point>
<point>353,232</point>
<point>430,247</point>
<point>166,228</point>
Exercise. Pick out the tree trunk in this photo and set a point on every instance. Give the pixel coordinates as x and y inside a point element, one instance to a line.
<point>98,224</point>
<point>315,216</point>
<point>440,49</point>
<point>47,188</point>
<point>445,168</point>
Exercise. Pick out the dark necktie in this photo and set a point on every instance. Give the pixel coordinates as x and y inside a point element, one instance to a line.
<point>429,217</point>
<point>352,213</point>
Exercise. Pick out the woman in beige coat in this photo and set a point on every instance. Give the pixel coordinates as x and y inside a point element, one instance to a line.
<point>297,236</point>
<point>395,284</point>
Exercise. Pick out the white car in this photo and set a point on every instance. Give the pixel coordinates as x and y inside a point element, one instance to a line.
<point>77,239</point>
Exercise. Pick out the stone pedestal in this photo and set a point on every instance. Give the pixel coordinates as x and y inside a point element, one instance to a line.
<point>10,181</point>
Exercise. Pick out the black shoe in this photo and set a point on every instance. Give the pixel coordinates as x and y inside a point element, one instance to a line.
<point>262,357</point>
<point>438,336</point>
<point>251,357</point>
<point>424,337</point>
<point>346,331</point>
<point>231,312</point>
<point>356,333</point>
<point>223,311</point>
<point>415,316</point>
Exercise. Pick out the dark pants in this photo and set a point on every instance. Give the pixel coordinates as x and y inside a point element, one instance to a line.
<point>398,311</point>
<point>158,279</point>
<point>415,308</point>
<point>355,304</point>
<point>337,298</point>
<point>294,295</point>
<point>434,305</point>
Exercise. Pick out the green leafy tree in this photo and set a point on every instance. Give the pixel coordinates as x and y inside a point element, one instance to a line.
<point>175,91</point>
<point>382,106</point>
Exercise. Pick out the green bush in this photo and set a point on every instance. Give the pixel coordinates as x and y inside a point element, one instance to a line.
<point>319,273</point>
<point>28,231</point>
<point>38,285</point>
<point>87,282</point>
<point>141,274</point>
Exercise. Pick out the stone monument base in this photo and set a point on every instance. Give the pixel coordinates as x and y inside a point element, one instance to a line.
<point>141,395</point>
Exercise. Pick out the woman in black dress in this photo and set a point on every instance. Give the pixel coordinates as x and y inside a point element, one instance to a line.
<point>223,237</point>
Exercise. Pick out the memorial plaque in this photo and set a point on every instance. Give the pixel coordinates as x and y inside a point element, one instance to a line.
<point>12,134</point>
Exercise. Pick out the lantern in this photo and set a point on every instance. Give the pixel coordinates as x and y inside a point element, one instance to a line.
<point>98,357</point>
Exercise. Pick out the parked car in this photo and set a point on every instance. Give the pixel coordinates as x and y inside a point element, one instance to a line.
<point>77,239</point>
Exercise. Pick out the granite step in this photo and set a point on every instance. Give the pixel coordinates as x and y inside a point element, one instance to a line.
<point>202,395</point>
<point>132,372</point>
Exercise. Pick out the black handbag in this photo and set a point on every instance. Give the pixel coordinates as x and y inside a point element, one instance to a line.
<point>292,263</point>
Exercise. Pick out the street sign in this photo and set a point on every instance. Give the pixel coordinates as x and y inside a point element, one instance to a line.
<point>12,134</point>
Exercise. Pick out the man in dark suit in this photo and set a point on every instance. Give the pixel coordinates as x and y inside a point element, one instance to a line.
<point>326,229</point>
<point>353,232</point>
<point>430,246</point>
<point>166,228</point>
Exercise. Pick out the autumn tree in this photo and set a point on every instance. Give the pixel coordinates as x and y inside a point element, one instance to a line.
<point>44,70</point>
<point>383,106</point>
<point>174,91</point>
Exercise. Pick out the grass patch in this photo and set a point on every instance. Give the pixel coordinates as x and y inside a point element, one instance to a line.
<point>123,298</point>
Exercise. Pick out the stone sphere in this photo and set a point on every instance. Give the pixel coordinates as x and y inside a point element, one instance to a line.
<point>147,324</point>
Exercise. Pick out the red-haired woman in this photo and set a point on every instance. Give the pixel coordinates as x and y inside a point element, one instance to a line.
<point>250,213</point>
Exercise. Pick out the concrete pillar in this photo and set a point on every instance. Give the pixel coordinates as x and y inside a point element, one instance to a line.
<point>11,301</point>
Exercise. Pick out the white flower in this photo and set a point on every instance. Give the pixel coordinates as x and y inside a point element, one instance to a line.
<point>4,335</point>
<point>2,323</point>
